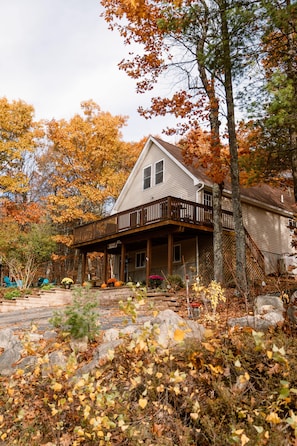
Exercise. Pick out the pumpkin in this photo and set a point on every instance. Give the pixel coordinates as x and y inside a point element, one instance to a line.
<point>104,285</point>
<point>118,283</point>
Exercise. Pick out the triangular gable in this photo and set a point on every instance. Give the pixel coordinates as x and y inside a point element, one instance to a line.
<point>163,147</point>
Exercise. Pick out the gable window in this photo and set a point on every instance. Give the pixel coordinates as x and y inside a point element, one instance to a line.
<point>176,253</point>
<point>140,259</point>
<point>207,199</point>
<point>159,172</point>
<point>147,177</point>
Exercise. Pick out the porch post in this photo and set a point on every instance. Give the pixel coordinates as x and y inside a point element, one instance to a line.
<point>123,261</point>
<point>105,263</point>
<point>148,260</point>
<point>83,267</point>
<point>169,254</point>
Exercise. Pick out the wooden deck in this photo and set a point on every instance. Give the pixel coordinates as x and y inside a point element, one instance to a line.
<point>168,210</point>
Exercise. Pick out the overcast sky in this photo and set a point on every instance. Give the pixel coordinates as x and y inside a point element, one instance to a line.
<point>54,54</point>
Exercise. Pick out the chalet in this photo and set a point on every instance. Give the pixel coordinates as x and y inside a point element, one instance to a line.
<point>161,223</point>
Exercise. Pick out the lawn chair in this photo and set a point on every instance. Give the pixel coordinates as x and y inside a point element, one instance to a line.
<point>8,283</point>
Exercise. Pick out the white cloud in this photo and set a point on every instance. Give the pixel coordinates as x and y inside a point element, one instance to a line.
<point>54,54</point>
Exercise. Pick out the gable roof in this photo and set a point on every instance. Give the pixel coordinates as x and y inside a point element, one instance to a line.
<point>263,195</point>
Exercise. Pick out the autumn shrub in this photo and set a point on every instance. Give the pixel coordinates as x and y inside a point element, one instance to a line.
<point>12,294</point>
<point>81,318</point>
<point>175,282</point>
<point>237,387</point>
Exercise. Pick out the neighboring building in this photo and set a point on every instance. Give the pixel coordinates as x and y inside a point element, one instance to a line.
<point>161,223</point>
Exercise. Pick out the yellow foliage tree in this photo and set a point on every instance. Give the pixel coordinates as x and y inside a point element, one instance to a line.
<point>86,164</point>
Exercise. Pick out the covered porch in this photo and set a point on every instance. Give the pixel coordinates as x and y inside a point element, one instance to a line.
<point>158,226</point>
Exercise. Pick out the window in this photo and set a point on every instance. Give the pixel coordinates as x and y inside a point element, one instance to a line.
<point>176,253</point>
<point>207,199</point>
<point>159,172</point>
<point>292,223</point>
<point>147,174</point>
<point>140,260</point>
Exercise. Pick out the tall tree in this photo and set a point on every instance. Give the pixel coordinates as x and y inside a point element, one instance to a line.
<point>85,165</point>
<point>19,138</point>
<point>271,138</point>
<point>280,64</point>
<point>196,38</point>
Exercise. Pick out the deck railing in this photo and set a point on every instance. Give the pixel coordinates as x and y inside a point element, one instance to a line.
<point>165,209</point>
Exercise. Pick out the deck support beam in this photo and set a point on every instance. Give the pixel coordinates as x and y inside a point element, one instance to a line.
<point>83,267</point>
<point>123,262</point>
<point>170,253</point>
<point>148,260</point>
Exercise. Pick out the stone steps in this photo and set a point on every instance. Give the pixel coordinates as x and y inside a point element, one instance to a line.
<point>51,298</point>
<point>106,297</point>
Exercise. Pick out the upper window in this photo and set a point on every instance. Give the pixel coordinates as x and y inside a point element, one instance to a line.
<point>147,177</point>
<point>159,172</point>
<point>207,199</point>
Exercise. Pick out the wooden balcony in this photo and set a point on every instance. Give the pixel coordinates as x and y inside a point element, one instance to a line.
<point>166,211</point>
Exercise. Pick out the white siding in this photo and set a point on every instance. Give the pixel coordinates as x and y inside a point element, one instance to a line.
<point>176,182</point>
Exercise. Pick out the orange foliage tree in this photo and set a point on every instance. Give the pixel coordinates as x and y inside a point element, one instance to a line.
<point>25,237</point>
<point>85,166</point>
<point>19,138</point>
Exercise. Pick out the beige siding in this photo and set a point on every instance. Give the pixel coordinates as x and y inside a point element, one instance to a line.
<point>176,182</point>
<point>269,230</point>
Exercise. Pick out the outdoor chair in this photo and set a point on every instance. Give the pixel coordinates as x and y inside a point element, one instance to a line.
<point>8,283</point>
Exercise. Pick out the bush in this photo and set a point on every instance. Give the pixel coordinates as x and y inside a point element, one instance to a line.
<point>12,294</point>
<point>175,282</point>
<point>79,319</point>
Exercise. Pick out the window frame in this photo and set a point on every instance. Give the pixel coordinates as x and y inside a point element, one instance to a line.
<point>177,259</point>
<point>209,200</point>
<point>158,173</point>
<point>141,255</point>
<point>148,177</point>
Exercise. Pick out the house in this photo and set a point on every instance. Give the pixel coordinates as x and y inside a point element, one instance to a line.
<point>161,223</point>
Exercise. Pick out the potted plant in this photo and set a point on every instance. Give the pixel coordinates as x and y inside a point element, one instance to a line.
<point>155,281</point>
<point>67,282</point>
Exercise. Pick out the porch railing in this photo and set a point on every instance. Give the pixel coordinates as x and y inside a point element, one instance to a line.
<point>165,209</point>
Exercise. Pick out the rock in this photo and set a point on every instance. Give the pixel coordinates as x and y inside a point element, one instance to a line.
<point>9,357</point>
<point>255,322</point>
<point>269,311</point>
<point>79,345</point>
<point>168,322</point>
<point>267,303</point>
<point>7,338</point>
<point>12,351</point>
<point>101,354</point>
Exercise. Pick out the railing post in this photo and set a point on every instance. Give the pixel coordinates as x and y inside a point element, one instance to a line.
<point>169,208</point>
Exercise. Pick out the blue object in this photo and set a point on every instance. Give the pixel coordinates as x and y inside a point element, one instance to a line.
<point>8,283</point>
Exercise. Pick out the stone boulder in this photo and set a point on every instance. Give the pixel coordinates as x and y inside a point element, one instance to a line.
<point>268,312</point>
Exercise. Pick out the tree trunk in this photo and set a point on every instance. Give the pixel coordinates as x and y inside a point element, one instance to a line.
<point>216,150</point>
<point>218,234</point>
<point>241,277</point>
